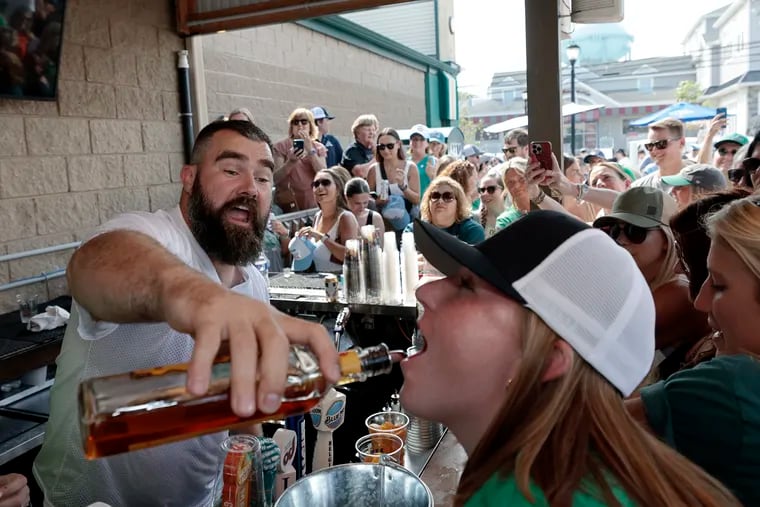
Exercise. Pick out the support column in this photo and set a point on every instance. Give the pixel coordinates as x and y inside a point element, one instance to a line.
<point>542,37</point>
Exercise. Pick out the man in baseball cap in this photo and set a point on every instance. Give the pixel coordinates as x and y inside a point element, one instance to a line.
<point>472,154</point>
<point>726,148</point>
<point>334,149</point>
<point>693,181</point>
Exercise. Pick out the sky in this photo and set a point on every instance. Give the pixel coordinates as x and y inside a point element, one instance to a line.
<point>490,34</point>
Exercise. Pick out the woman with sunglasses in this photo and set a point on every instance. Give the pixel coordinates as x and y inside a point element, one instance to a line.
<point>445,206</point>
<point>639,222</point>
<point>711,413</point>
<point>745,173</point>
<point>466,174</point>
<point>530,381</point>
<point>333,223</point>
<point>297,158</point>
<point>391,166</point>
<point>491,201</point>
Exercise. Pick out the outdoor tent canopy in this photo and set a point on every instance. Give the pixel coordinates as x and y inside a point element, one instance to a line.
<point>522,121</point>
<point>683,111</point>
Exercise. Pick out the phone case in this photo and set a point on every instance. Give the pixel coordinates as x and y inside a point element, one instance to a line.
<point>542,152</point>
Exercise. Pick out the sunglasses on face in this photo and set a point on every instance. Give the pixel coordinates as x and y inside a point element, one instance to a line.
<point>446,196</point>
<point>724,151</point>
<point>509,151</point>
<point>661,144</point>
<point>302,121</point>
<point>745,172</point>
<point>321,183</point>
<point>490,189</point>
<point>634,233</point>
<point>388,146</point>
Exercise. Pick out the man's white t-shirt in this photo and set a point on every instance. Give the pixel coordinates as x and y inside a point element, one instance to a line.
<point>178,474</point>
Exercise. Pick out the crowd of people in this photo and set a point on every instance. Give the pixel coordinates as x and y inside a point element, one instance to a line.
<point>611,352</point>
<point>30,40</point>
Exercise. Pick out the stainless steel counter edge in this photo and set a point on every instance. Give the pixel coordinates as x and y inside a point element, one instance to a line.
<point>22,443</point>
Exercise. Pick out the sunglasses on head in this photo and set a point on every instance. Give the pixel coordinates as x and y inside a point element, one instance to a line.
<point>490,189</point>
<point>634,233</point>
<point>388,146</point>
<point>302,121</point>
<point>509,151</point>
<point>724,151</point>
<point>446,196</point>
<point>321,183</point>
<point>661,144</point>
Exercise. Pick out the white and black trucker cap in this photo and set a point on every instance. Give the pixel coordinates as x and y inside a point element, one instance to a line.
<point>576,278</point>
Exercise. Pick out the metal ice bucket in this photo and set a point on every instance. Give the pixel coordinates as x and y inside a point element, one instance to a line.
<point>358,485</point>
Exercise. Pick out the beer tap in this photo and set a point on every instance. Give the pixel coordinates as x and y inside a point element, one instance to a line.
<point>340,325</point>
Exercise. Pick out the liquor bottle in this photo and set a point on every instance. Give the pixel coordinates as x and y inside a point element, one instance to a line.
<point>144,408</point>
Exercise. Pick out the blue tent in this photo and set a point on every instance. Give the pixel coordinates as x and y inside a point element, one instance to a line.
<point>683,111</point>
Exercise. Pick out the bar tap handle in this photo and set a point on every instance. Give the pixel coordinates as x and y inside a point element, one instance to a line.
<point>340,325</point>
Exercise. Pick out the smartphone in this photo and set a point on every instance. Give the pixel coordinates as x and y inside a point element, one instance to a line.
<point>723,111</point>
<point>297,144</point>
<point>541,151</point>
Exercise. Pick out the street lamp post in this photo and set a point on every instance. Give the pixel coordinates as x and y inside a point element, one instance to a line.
<point>573,52</point>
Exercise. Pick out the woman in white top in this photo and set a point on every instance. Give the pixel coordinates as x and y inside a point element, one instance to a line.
<point>333,223</point>
<point>402,175</point>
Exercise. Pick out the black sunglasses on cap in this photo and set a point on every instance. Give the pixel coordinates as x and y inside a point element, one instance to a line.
<point>324,183</point>
<point>634,233</point>
<point>490,189</point>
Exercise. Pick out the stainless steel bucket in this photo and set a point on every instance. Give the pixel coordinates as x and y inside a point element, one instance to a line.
<point>358,485</point>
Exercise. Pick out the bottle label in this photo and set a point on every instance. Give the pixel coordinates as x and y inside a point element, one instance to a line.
<point>304,360</point>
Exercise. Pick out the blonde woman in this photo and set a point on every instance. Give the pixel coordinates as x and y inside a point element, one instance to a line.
<point>491,201</point>
<point>639,222</point>
<point>517,189</point>
<point>297,158</point>
<point>446,206</point>
<point>530,383</point>
<point>709,413</point>
<point>466,174</point>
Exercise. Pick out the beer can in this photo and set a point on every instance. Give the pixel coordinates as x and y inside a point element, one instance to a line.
<point>242,473</point>
<point>331,288</point>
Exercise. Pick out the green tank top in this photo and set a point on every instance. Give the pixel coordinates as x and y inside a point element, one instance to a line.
<point>501,492</point>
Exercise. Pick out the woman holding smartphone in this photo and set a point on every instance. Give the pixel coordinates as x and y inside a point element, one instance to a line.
<point>297,159</point>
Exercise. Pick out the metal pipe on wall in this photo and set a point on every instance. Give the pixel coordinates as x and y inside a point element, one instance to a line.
<point>185,104</point>
<point>39,251</point>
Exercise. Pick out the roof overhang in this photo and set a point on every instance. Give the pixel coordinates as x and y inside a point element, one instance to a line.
<point>209,16</point>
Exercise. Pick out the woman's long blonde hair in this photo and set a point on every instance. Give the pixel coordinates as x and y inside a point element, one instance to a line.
<point>573,433</point>
<point>667,270</point>
<point>737,225</point>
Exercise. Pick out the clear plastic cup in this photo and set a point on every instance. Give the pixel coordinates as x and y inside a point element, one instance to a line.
<point>371,447</point>
<point>395,423</point>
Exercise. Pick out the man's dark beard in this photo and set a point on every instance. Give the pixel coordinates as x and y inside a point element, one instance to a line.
<point>224,242</point>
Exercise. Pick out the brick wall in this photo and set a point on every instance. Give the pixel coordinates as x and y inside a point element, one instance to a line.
<point>110,143</point>
<point>273,69</point>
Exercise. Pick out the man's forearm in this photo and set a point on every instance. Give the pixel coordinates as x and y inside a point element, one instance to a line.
<point>361,170</point>
<point>125,276</point>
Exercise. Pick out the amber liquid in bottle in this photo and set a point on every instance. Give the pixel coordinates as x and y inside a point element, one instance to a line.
<point>150,407</point>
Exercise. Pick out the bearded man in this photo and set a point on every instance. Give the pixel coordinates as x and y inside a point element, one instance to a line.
<point>152,289</point>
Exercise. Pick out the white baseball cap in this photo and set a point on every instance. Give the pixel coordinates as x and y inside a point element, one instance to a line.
<point>576,278</point>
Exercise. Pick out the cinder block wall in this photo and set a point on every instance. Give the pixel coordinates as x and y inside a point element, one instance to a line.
<point>274,69</point>
<point>110,143</point>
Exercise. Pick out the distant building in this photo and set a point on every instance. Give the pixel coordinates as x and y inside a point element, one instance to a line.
<point>723,47</point>
<point>625,90</point>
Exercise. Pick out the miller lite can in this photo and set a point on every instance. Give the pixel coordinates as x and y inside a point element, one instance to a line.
<point>331,288</point>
